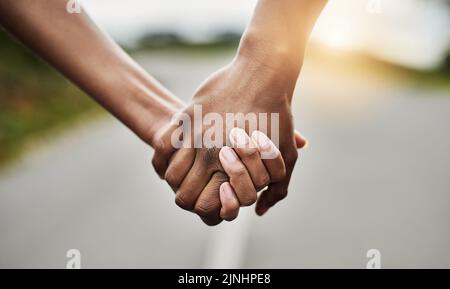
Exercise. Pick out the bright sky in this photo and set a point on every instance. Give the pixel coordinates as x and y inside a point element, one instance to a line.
<point>411,32</point>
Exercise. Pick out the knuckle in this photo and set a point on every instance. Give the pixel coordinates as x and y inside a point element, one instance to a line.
<point>279,175</point>
<point>248,199</point>
<point>160,147</point>
<point>280,195</point>
<point>206,208</point>
<point>158,166</point>
<point>238,171</point>
<point>250,153</point>
<point>212,221</point>
<point>154,163</point>
<point>171,178</point>
<point>263,181</point>
<point>183,203</point>
<point>196,172</point>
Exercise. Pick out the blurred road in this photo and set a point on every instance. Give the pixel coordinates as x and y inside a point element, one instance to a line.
<point>376,175</point>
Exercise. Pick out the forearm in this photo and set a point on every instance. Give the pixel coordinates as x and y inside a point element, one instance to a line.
<point>278,32</point>
<point>88,57</point>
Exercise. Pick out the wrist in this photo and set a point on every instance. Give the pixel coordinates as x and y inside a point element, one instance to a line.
<point>275,65</point>
<point>139,102</point>
<point>273,51</point>
<point>150,114</point>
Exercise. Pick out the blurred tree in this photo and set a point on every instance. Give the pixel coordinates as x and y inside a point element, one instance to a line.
<point>33,97</point>
<point>445,66</point>
<point>446,63</point>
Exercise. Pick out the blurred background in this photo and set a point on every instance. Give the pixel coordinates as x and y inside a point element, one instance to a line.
<point>373,99</point>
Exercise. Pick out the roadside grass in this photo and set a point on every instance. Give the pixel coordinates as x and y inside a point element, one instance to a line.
<point>33,98</point>
<point>36,100</point>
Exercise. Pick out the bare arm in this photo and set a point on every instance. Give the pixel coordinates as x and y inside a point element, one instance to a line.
<point>260,79</point>
<point>276,39</point>
<point>77,48</point>
<point>278,33</point>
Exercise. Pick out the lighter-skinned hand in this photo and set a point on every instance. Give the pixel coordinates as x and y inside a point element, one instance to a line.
<point>196,174</point>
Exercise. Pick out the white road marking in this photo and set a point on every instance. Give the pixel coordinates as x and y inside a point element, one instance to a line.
<point>228,242</point>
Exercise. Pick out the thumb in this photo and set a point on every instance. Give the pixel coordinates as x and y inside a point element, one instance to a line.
<point>300,140</point>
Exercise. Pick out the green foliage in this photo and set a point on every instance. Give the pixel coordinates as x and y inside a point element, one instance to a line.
<point>170,41</point>
<point>446,63</point>
<point>33,97</point>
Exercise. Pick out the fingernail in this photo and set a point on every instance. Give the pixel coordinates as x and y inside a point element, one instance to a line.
<point>261,139</point>
<point>229,154</point>
<point>268,150</point>
<point>226,190</point>
<point>239,138</point>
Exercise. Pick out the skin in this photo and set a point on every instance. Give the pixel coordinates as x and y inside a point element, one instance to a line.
<point>249,164</point>
<point>218,94</point>
<point>79,50</point>
<point>261,78</point>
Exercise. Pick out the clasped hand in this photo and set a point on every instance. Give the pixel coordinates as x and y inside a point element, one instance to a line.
<point>215,182</point>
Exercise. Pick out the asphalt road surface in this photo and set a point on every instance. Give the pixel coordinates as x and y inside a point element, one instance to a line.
<point>376,175</point>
